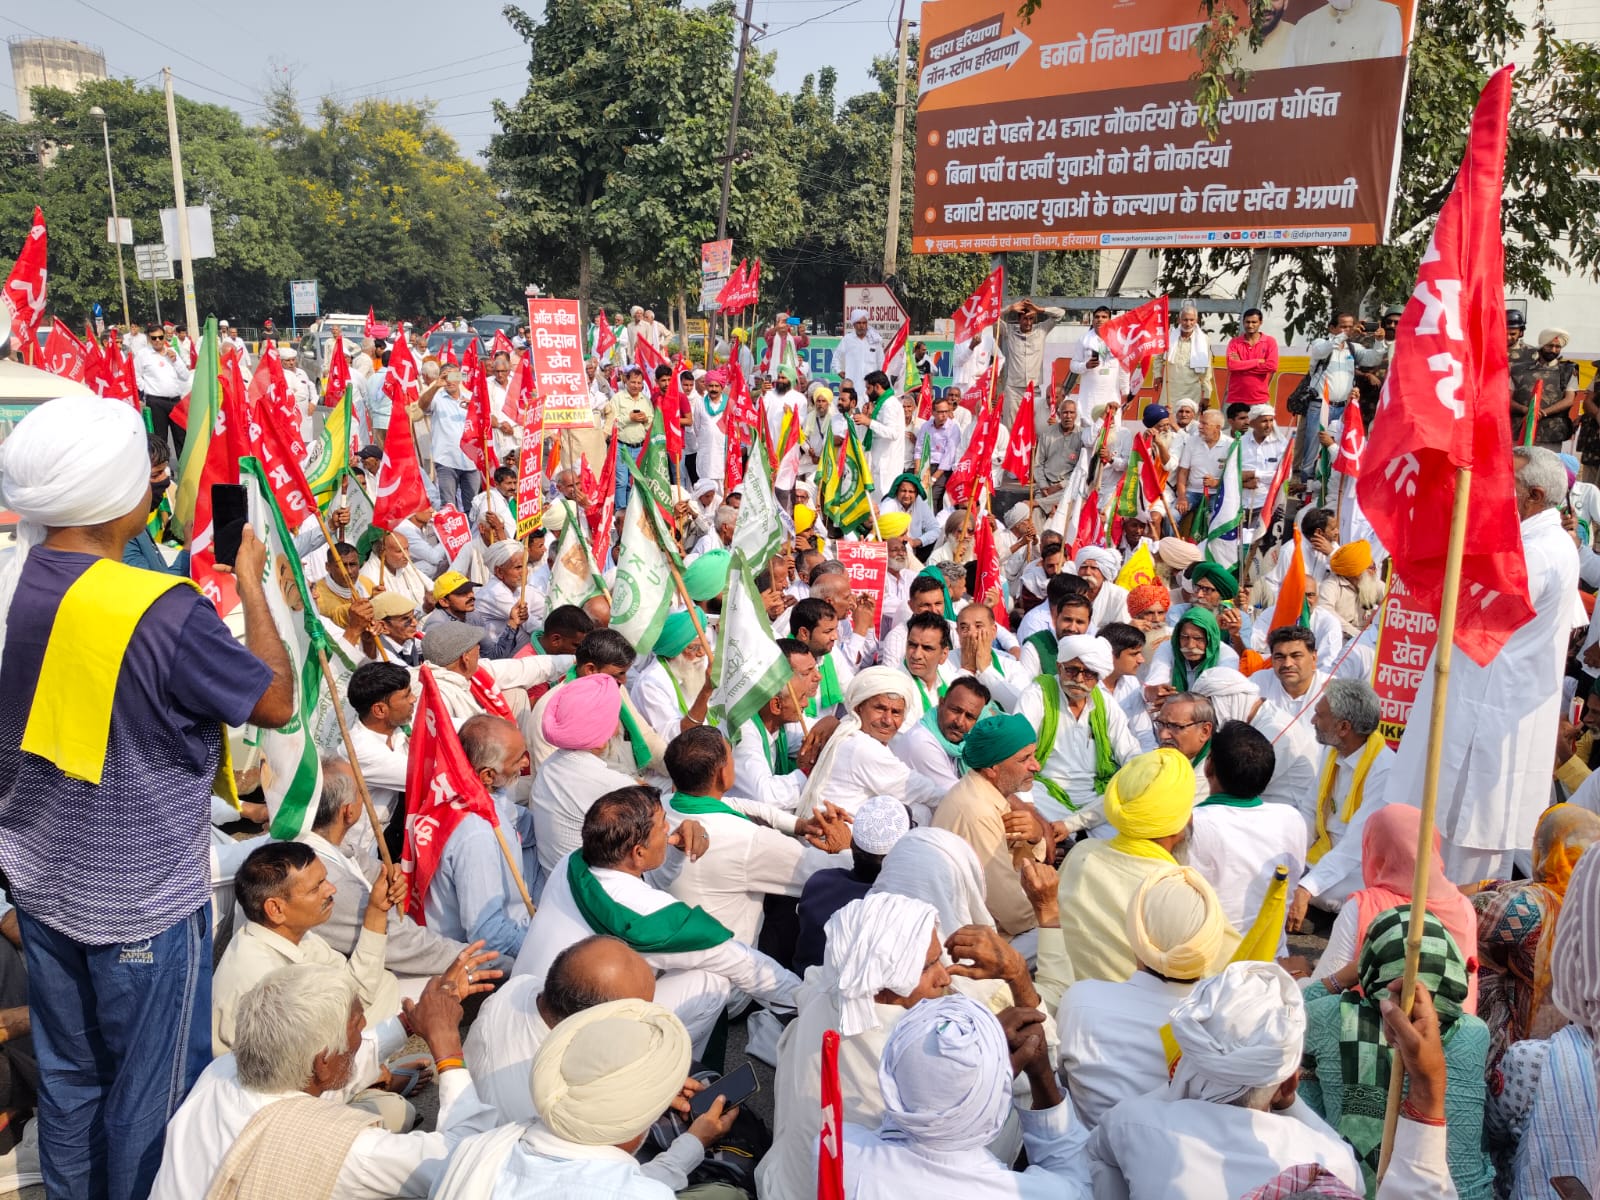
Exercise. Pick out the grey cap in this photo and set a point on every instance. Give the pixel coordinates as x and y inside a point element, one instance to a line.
<point>445,643</point>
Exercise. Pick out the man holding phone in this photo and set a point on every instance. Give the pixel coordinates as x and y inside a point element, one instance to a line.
<point>106,777</point>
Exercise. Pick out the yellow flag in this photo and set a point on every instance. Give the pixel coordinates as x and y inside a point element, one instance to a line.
<point>1139,570</point>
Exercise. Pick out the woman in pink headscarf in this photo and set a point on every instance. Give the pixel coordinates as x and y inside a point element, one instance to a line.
<point>1388,869</point>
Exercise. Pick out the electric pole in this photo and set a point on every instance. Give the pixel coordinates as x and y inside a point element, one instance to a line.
<point>897,153</point>
<point>733,119</point>
<point>189,311</point>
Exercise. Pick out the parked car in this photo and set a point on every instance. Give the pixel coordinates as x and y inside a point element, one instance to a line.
<point>458,342</point>
<point>487,326</point>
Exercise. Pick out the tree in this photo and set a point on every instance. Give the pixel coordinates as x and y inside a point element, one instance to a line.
<point>612,157</point>
<point>1551,190</point>
<point>224,167</point>
<point>387,212</point>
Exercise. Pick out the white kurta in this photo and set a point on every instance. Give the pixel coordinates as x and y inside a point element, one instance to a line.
<point>661,699</point>
<point>1273,693</point>
<point>857,357</point>
<point>1299,758</point>
<point>1111,1039</point>
<point>865,767</point>
<point>382,760</point>
<point>564,788</point>
<point>916,746</point>
<point>380,1164</point>
<point>1160,669</point>
<point>1238,849</point>
<point>1500,720</point>
<point>754,770</point>
<point>887,458</point>
<point>1338,872</point>
<point>1070,762</point>
<point>500,1046</point>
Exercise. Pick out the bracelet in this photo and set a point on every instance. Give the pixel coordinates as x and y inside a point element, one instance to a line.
<point>1411,1113</point>
<point>441,1065</point>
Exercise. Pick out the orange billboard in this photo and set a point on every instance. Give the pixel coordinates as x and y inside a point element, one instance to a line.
<point>1079,130</point>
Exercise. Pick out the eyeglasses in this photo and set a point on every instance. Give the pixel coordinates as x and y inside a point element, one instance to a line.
<point>1174,726</point>
<point>1080,673</point>
<point>157,337</point>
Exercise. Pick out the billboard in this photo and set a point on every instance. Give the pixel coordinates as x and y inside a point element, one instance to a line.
<point>1079,130</point>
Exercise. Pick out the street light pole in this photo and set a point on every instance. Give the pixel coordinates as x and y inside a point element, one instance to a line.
<point>116,225</point>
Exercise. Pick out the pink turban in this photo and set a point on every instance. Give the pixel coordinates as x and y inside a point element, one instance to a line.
<point>582,714</point>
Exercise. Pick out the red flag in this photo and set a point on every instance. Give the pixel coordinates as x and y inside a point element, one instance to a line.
<point>1275,489</point>
<point>600,509</point>
<point>273,436</point>
<point>604,339</point>
<point>520,389</point>
<point>400,491</point>
<point>729,298</point>
<point>648,358</point>
<point>742,416</point>
<point>987,555</point>
<point>673,408</point>
<point>752,285</point>
<point>229,443</point>
<point>1137,333</point>
<point>981,309</point>
<point>66,355</point>
<point>977,463</point>
<point>477,430</point>
<point>25,287</point>
<point>925,399</point>
<point>894,351</point>
<point>447,354</point>
<point>1446,405</point>
<point>269,390</point>
<point>441,789</point>
<point>338,380</point>
<point>830,1152</point>
<point>1352,442</point>
<point>500,344</point>
<point>400,383</point>
<point>1091,530</point>
<point>1024,439</point>
<point>370,329</point>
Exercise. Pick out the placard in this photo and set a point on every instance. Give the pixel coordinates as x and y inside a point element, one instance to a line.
<point>868,566</point>
<point>454,531</point>
<point>555,345</point>
<point>1407,634</point>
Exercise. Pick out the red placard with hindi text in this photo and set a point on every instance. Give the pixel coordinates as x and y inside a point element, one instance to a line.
<point>454,531</point>
<point>1407,634</point>
<point>555,345</point>
<point>868,565</point>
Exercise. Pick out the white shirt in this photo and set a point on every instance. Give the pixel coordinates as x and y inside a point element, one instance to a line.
<point>1238,849</point>
<point>1294,746</point>
<point>500,1046</point>
<point>1159,669</point>
<point>856,357</point>
<point>380,1164</point>
<point>383,765</point>
<point>563,789</point>
<point>661,699</point>
<point>1151,1148</point>
<point>1262,457</point>
<point>865,767</point>
<point>754,775</point>
<point>1129,692</point>
<point>1070,762</point>
<point>1202,461</point>
<point>158,375</point>
<point>1111,1039</point>
<point>1338,872</point>
<point>1273,692</point>
<point>916,746</point>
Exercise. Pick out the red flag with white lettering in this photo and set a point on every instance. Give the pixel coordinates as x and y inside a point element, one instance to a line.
<point>499,344</point>
<point>730,298</point>
<point>830,1148</point>
<point>441,790</point>
<point>981,309</point>
<point>604,339</point>
<point>400,491</point>
<point>987,555</point>
<point>66,355</point>
<point>269,389</point>
<point>600,503</point>
<point>338,374</point>
<point>1137,334</point>
<point>1446,405</point>
<point>925,399</point>
<point>370,329</point>
<point>1351,443</point>
<point>752,285</point>
<point>742,416</point>
<point>477,430</point>
<point>400,383</point>
<point>1023,438</point>
<point>25,288</point>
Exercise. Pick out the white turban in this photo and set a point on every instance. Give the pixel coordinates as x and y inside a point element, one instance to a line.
<point>1176,925</point>
<point>502,552</point>
<point>554,517</point>
<point>1107,562</point>
<point>879,823</point>
<point>75,460</point>
<point>945,1076</point>
<point>875,943</point>
<point>1262,410</point>
<point>1240,1030</point>
<point>1186,403</point>
<point>604,1075</point>
<point>1554,334</point>
<point>1017,513</point>
<point>874,681</point>
<point>1231,693</point>
<point>942,868</point>
<point>1093,652</point>
<point>857,314</point>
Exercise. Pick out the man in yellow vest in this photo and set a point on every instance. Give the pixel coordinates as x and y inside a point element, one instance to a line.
<point>115,687</point>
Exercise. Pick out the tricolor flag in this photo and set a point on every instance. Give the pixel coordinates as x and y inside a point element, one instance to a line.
<point>1221,539</point>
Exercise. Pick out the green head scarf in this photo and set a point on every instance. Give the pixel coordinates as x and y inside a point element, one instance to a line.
<point>1218,576</point>
<point>1205,621</point>
<point>995,739</point>
<point>908,477</point>
<point>677,631</point>
<point>933,572</point>
<point>706,577</point>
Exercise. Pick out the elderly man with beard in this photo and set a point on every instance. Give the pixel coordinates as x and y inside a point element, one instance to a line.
<point>1186,723</point>
<point>1352,591</point>
<point>1099,567</point>
<point>1083,730</point>
<point>857,762</point>
<point>504,601</point>
<point>674,691</point>
<point>389,568</point>
<point>1149,803</point>
<point>988,810</point>
<point>931,747</point>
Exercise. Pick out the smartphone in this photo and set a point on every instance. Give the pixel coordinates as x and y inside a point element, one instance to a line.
<point>228,515</point>
<point>735,1088</point>
<point>1568,1187</point>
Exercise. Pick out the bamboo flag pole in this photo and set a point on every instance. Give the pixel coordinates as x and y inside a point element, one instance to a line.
<point>514,866</point>
<point>1430,791</point>
<point>350,753</point>
<point>1266,517</point>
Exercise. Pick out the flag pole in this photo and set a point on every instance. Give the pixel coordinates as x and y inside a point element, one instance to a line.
<point>799,708</point>
<point>512,864</point>
<point>350,753</point>
<point>1266,517</point>
<point>383,655</point>
<point>1430,792</point>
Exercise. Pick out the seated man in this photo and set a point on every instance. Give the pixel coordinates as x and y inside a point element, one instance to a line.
<point>1099,568</point>
<point>987,810</point>
<point>580,720</point>
<point>633,747</point>
<point>1149,803</point>
<point>1294,680</point>
<point>746,861</point>
<point>931,747</point>
<point>380,694</point>
<point>1002,673</point>
<point>673,691</point>
<point>456,602</point>
<point>927,662</point>
<point>471,685</point>
<point>812,622</point>
<point>1239,841</point>
<point>1111,1046</point>
<point>924,594</point>
<point>1235,697</point>
<point>1185,723</point>
<point>878,825</point>
<point>389,568</point>
<point>1354,784</point>
<point>857,763</point>
<point>337,592</point>
<point>1198,644</point>
<point>1124,685</point>
<point>503,600</point>
<point>268,1119</point>
<point>394,622</point>
<point>1068,613</point>
<point>1083,731</point>
<point>770,764</point>
<point>411,950</point>
<point>601,888</point>
<point>473,896</point>
<point>601,1079</point>
<point>1229,1119</point>
<point>946,1078</point>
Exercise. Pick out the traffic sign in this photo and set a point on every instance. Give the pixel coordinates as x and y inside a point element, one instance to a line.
<point>151,261</point>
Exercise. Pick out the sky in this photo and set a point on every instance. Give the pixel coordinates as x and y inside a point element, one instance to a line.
<point>463,55</point>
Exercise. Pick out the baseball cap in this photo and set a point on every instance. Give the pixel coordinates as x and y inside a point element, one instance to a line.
<point>449,584</point>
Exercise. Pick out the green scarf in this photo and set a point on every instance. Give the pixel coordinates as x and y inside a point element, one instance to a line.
<point>1105,761</point>
<point>1363,1056</point>
<point>675,929</point>
<point>1045,642</point>
<point>930,722</point>
<point>933,572</point>
<point>1229,801</point>
<point>929,703</point>
<point>630,726</point>
<point>877,411</point>
<point>908,477</point>
<point>780,761</point>
<point>698,806</point>
<point>830,693</point>
<point>1205,621</point>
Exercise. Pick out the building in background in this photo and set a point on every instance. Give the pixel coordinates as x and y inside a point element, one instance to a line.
<point>51,62</point>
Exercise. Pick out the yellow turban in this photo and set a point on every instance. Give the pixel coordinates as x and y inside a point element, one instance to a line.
<point>1152,796</point>
<point>893,525</point>
<point>1351,560</point>
<point>605,1074</point>
<point>1176,925</point>
<point>823,394</point>
<point>804,517</point>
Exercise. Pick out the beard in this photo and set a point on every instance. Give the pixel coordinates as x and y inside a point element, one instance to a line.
<point>899,562</point>
<point>690,673</point>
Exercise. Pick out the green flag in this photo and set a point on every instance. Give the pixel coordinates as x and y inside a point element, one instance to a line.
<point>574,575</point>
<point>758,531</point>
<point>329,456</point>
<point>641,591</point>
<point>749,667</point>
<point>650,475</point>
<point>847,492</point>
